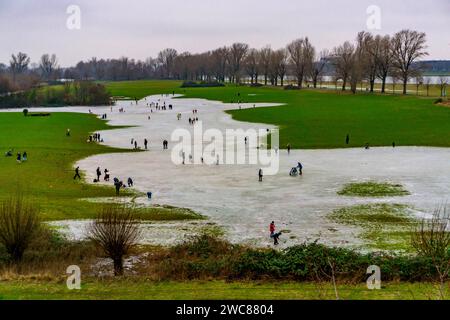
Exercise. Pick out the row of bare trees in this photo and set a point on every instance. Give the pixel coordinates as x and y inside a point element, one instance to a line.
<point>366,59</point>
<point>21,74</point>
<point>377,57</point>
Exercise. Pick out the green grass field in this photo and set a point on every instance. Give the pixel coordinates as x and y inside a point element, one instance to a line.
<point>142,289</point>
<point>315,119</point>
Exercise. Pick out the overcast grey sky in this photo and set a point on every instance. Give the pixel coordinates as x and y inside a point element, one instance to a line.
<point>140,28</point>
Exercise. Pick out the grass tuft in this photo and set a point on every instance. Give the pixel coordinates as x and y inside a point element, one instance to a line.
<point>373,189</point>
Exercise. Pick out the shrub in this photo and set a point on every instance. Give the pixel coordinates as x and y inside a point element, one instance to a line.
<point>116,231</point>
<point>431,240</point>
<point>25,112</point>
<point>291,87</point>
<point>19,223</point>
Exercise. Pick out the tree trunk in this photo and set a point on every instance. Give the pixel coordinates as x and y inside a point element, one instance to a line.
<point>118,266</point>
<point>383,85</point>
<point>405,83</point>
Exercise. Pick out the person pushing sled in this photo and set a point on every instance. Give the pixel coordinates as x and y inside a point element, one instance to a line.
<point>298,170</point>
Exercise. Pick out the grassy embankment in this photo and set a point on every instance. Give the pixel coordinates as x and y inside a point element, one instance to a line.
<point>141,288</point>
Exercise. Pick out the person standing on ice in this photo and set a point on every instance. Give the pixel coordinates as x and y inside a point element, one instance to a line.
<point>99,173</point>
<point>273,234</point>
<point>300,168</point>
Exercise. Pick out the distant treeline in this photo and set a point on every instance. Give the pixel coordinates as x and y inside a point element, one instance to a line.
<point>438,67</point>
<point>366,59</point>
<point>82,93</point>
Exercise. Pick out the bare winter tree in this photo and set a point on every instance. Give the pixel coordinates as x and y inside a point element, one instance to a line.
<point>301,55</point>
<point>318,67</point>
<point>265,55</point>
<point>407,47</point>
<point>237,55</point>
<point>166,58</point>
<point>428,85</point>
<point>219,62</point>
<point>274,68</point>
<point>368,57</point>
<point>343,61</point>
<point>116,231</point>
<point>48,65</point>
<point>18,64</point>
<point>383,59</point>
<point>443,82</point>
<point>252,65</point>
<point>281,62</point>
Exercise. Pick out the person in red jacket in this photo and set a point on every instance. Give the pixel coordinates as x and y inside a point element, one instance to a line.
<point>273,234</point>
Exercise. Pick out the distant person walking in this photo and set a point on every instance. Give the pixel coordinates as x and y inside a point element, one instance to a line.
<point>273,233</point>
<point>260,175</point>
<point>289,148</point>
<point>77,173</point>
<point>99,173</point>
<point>145,143</point>
<point>347,139</point>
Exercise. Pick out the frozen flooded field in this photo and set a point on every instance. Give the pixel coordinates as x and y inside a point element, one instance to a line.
<point>232,197</point>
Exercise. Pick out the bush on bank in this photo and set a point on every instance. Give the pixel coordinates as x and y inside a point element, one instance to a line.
<point>206,257</point>
<point>202,84</point>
